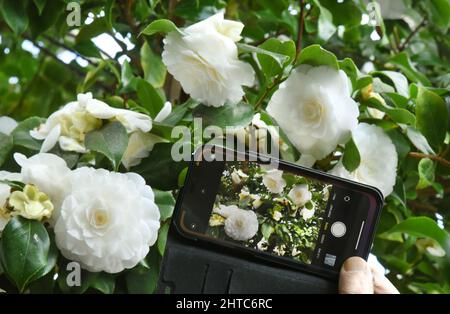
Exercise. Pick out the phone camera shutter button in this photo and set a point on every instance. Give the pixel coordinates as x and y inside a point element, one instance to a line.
<point>338,229</point>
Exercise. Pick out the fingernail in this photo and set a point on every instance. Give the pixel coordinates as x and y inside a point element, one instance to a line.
<point>355,264</point>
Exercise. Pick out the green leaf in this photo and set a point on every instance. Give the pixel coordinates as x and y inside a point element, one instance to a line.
<point>108,13</point>
<point>6,145</point>
<point>432,117</point>
<point>325,25</point>
<point>351,158</point>
<point>149,98</point>
<point>422,227</point>
<point>398,115</point>
<point>315,55</point>
<point>111,141</point>
<point>24,249</point>
<point>21,134</point>
<point>128,80</point>
<point>40,4</point>
<point>141,280</point>
<point>160,26</point>
<point>398,80</point>
<point>162,238</point>
<point>439,12</point>
<point>159,169</point>
<point>349,67</point>
<point>426,170</point>
<point>15,15</point>
<point>103,282</point>
<point>267,230</point>
<point>269,65</point>
<point>281,59</point>
<point>154,69</point>
<point>419,141</point>
<point>97,27</point>
<point>165,202</point>
<point>402,62</point>
<point>240,114</point>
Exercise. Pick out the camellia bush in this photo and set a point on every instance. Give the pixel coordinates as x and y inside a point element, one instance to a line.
<point>92,93</point>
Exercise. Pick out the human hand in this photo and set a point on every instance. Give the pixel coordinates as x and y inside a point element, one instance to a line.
<point>357,277</point>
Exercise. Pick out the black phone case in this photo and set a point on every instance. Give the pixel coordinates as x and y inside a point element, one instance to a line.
<point>190,267</point>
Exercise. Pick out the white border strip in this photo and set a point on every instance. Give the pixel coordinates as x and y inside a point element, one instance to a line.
<point>359,236</point>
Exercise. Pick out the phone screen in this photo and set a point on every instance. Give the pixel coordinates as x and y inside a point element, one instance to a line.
<point>281,213</point>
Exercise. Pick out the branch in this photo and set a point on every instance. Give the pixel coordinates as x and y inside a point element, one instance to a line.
<point>417,206</point>
<point>264,95</point>
<point>411,35</point>
<point>64,46</point>
<point>439,159</point>
<point>301,26</point>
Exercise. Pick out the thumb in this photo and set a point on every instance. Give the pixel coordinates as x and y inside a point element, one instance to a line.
<point>355,277</point>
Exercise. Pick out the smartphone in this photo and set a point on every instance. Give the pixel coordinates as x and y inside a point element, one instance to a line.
<point>276,211</point>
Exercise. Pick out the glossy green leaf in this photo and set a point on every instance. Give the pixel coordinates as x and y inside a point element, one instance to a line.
<point>160,26</point>
<point>426,170</point>
<point>432,117</point>
<point>165,202</point>
<point>111,140</point>
<point>21,134</point>
<point>351,158</point>
<point>326,27</point>
<point>15,15</point>
<point>25,247</point>
<point>154,69</point>
<point>269,65</point>
<point>315,55</point>
<point>402,62</point>
<point>281,59</point>
<point>40,4</point>
<point>149,98</point>
<point>88,31</point>
<point>419,141</point>
<point>6,145</point>
<point>422,227</point>
<point>240,114</point>
<point>142,280</point>
<point>162,238</point>
<point>159,169</point>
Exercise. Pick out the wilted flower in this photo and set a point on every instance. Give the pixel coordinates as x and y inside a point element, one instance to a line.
<point>31,203</point>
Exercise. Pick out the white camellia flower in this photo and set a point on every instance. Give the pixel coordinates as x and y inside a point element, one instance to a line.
<point>307,213</point>
<point>226,211</point>
<point>273,180</point>
<point>378,165</point>
<point>69,125</point>
<point>139,147</point>
<point>108,221</point>
<point>5,193</point>
<point>7,125</point>
<point>204,59</point>
<point>315,109</point>
<point>242,225</point>
<point>48,172</point>
<point>300,194</point>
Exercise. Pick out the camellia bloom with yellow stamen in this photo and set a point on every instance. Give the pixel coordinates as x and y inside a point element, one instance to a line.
<point>31,203</point>
<point>273,180</point>
<point>315,109</point>
<point>108,220</point>
<point>300,194</point>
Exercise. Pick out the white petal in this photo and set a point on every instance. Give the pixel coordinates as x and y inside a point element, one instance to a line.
<point>164,112</point>
<point>7,125</point>
<point>51,139</point>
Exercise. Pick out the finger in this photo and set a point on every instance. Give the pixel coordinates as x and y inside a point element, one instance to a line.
<point>381,284</point>
<point>355,277</point>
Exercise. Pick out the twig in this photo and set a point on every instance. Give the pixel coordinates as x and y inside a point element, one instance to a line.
<point>423,207</point>
<point>64,46</point>
<point>301,26</point>
<point>411,35</point>
<point>275,82</point>
<point>439,159</point>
